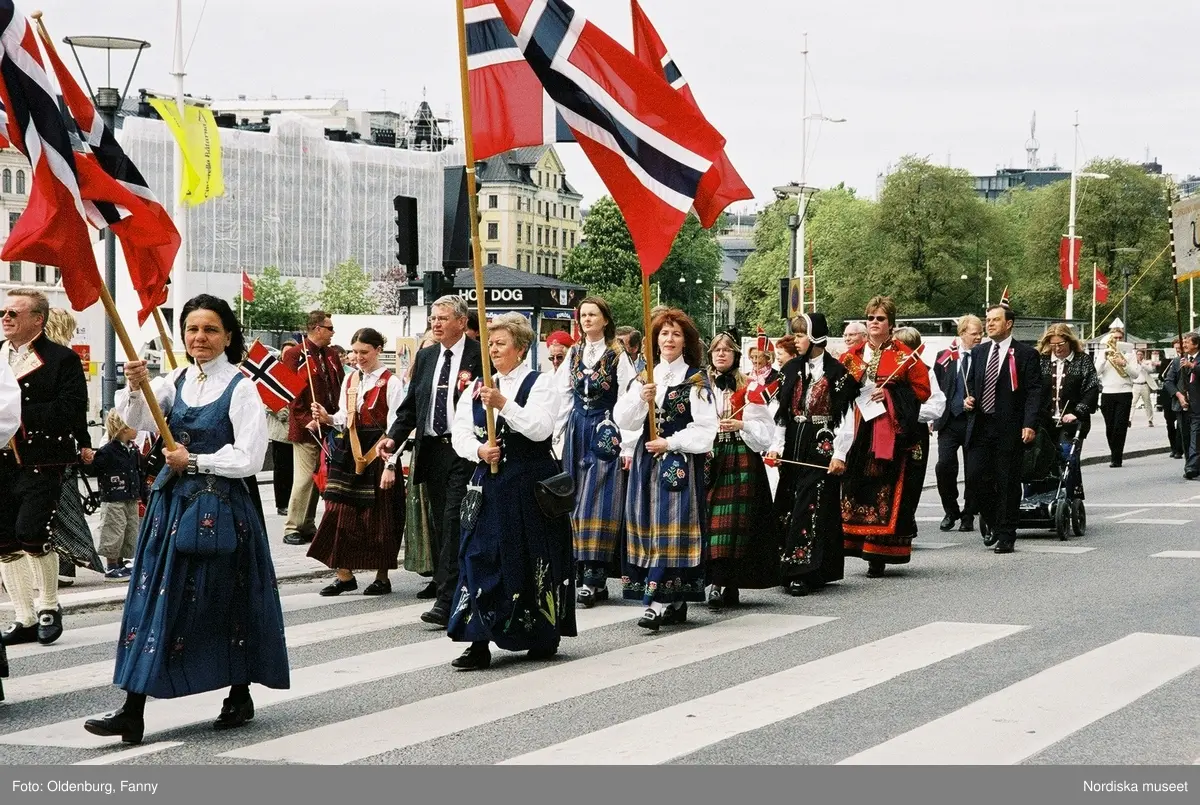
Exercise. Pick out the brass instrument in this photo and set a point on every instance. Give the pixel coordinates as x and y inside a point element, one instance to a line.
<point>1111,352</point>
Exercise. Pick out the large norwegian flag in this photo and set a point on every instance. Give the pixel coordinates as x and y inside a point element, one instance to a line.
<point>509,107</point>
<point>722,185</point>
<point>51,230</point>
<point>648,144</point>
<point>277,384</point>
<point>122,198</point>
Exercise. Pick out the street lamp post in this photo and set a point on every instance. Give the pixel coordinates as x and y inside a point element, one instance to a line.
<point>1072,268</point>
<point>1125,285</point>
<point>987,294</point>
<point>108,102</point>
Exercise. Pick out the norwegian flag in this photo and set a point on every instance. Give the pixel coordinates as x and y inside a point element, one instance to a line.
<point>121,196</point>
<point>761,393</point>
<point>722,185</point>
<point>277,384</point>
<point>509,107</point>
<point>51,230</point>
<point>649,146</point>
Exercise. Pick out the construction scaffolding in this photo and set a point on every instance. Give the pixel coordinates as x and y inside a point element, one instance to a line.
<point>299,201</point>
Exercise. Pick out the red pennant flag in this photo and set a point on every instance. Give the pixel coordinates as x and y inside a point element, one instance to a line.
<point>722,185</point>
<point>247,288</point>
<point>1101,287</point>
<point>277,384</point>
<point>1065,275</point>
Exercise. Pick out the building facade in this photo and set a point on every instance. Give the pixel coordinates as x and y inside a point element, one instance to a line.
<point>529,213</point>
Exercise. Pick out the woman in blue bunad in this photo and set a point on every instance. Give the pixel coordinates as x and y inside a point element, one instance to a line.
<point>516,574</point>
<point>202,612</point>
<point>742,545</point>
<point>596,376</point>
<point>666,517</point>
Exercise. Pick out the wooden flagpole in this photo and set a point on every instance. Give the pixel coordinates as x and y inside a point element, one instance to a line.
<point>168,348</point>
<point>110,309</point>
<point>473,205</point>
<point>648,349</point>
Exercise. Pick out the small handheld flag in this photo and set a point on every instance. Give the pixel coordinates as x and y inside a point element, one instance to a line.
<point>277,384</point>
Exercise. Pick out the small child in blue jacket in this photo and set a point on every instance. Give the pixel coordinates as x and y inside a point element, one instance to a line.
<point>118,466</point>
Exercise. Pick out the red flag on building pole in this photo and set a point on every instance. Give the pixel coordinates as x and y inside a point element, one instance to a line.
<point>247,288</point>
<point>1101,286</point>
<point>1068,264</point>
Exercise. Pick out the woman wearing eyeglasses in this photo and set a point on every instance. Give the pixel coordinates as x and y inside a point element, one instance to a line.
<point>1070,388</point>
<point>875,447</point>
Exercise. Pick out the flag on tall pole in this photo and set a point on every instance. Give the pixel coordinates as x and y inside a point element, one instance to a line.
<point>721,185</point>
<point>118,193</point>
<point>1101,285</point>
<point>52,228</point>
<point>199,140</point>
<point>247,288</point>
<point>1068,263</point>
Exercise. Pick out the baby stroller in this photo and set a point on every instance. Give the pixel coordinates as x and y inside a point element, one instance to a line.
<point>1053,485</point>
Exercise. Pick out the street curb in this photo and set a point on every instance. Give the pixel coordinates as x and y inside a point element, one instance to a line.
<point>80,607</point>
<point>1093,460</point>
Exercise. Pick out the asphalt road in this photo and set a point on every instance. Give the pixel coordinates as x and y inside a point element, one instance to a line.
<point>1083,652</point>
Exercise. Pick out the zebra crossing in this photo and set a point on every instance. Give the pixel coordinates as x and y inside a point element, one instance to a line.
<point>429,706</point>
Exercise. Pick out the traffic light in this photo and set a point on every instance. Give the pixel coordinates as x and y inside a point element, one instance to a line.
<point>406,234</point>
<point>434,286</point>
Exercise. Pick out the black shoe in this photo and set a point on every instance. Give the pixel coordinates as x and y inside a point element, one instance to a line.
<point>475,658</point>
<point>338,587</point>
<point>49,626</point>
<point>1177,455</point>
<point>675,614</point>
<point>542,653</point>
<point>797,588</point>
<point>650,620</point>
<point>15,633</point>
<point>1191,475</point>
<point>281,512</point>
<point>1004,547</point>
<point>948,522</point>
<point>129,728</point>
<point>437,616</point>
<point>716,599</point>
<point>234,714</point>
<point>967,524</point>
<point>379,587</point>
<point>429,591</point>
<point>731,596</point>
<point>296,539</point>
<point>1116,465</point>
<point>875,570</point>
<point>989,536</point>
<point>585,597</point>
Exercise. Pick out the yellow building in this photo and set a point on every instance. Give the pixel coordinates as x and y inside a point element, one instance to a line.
<point>529,212</point>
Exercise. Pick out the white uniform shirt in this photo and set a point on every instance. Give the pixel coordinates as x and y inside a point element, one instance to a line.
<point>241,459</point>
<point>10,404</point>
<point>366,382</point>
<point>535,420</point>
<point>697,437</point>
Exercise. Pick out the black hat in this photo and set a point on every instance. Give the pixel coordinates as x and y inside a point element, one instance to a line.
<point>818,328</point>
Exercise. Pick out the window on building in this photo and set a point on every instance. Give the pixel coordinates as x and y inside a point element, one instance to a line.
<point>7,181</point>
<point>39,274</point>
<point>539,264</point>
<point>14,271</point>
<point>493,231</point>
<point>529,233</point>
<point>493,202</point>
<point>555,238</point>
<point>539,178</point>
<point>539,206</point>
<point>520,233</point>
<point>12,220</point>
<point>58,276</point>
<point>572,240</point>
<point>20,183</point>
<point>493,258</point>
<point>539,236</point>
<point>572,213</point>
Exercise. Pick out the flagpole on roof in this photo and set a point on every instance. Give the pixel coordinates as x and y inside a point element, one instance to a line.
<point>473,204</point>
<point>179,275</point>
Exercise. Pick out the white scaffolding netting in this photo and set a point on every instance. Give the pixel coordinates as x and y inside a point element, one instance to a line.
<point>295,200</point>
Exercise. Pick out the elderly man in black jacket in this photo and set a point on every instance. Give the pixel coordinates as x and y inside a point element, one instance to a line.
<point>53,435</point>
<point>1005,400</point>
<point>951,370</point>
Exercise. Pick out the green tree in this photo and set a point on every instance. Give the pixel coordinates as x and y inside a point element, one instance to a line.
<point>625,302</point>
<point>347,290</point>
<point>756,290</point>
<point>278,304</point>
<point>605,258</point>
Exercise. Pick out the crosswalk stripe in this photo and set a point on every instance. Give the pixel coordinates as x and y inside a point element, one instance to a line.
<point>1149,521</point>
<point>114,758</point>
<point>1123,515</point>
<point>698,723</point>
<point>1176,555</point>
<point>111,632</point>
<point>935,546</point>
<point>1067,549</point>
<point>311,680</point>
<point>98,674</point>
<point>427,719</point>
<point>1023,719</point>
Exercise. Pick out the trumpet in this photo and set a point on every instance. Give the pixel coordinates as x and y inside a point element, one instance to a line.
<point>1115,357</point>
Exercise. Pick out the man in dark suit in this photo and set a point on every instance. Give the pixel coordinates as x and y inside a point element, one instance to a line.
<point>951,370</point>
<point>1175,385</point>
<point>1170,403</point>
<point>1005,398</point>
<point>441,374</point>
<point>52,436</point>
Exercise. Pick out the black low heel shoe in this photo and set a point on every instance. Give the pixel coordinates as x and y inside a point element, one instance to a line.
<point>117,724</point>
<point>473,659</point>
<point>234,714</point>
<point>338,587</point>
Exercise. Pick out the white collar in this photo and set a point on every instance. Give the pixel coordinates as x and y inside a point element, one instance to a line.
<point>210,368</point>
<point>458,347</point>
<point>677,368</point>
<point>1070,357</point>
<point>374,373</point>
<point>515,373</point>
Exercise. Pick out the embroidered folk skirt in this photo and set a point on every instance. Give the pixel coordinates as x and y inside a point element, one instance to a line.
<point>879,511</point>
<point>742,543</point>
<point>598,521</point>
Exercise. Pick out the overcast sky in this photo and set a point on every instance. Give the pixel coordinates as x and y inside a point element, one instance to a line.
<point>946,79</point>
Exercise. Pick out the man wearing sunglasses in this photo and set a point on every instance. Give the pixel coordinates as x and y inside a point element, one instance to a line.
<point>323,369</point>
<point>53,391</point>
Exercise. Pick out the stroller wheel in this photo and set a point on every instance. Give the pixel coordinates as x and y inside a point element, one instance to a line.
<point>1079,520</point>
<point>1062,518</point>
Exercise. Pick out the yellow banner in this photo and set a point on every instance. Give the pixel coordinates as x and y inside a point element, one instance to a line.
<point>200,142</point>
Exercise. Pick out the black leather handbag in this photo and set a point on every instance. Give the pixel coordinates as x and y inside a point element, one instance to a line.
<point>556,495</point>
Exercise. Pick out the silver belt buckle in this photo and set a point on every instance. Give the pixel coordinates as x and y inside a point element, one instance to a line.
<point>800,418</point>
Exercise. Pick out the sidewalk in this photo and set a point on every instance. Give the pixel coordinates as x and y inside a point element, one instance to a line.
<point>90,591</point>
